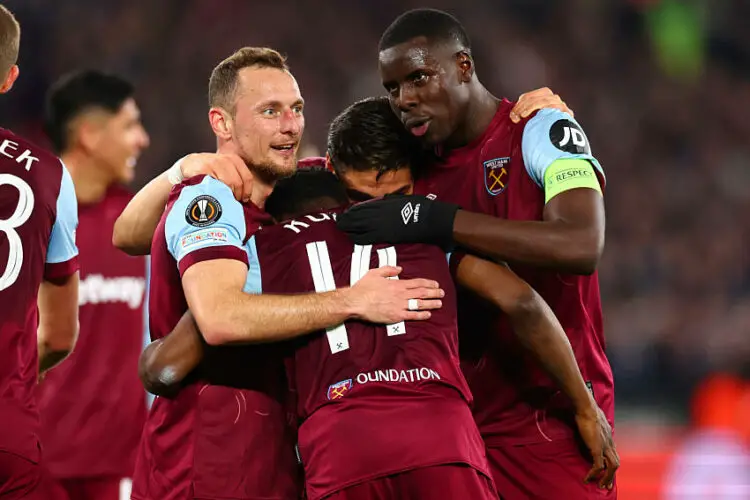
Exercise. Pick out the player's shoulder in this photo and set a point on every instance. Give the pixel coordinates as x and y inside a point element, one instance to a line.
<point>313,225</point>
<point>203,191</point>
<point>502,126</point>
<point>296,233</point>
<point>203,202</point>
<point>552,125</point>
<point>16,146</point>
<point>550,135</point>
<point>203,184</point>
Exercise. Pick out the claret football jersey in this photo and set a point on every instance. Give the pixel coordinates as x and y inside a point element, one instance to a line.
<point>225,435</point>
<point>503,173</point>
<point>38,219</point>
<point>372,400</point>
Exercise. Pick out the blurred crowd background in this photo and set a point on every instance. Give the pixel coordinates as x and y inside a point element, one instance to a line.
<point>662,88</point>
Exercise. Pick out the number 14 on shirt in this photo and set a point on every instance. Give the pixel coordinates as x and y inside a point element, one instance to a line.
<point>322,274</point>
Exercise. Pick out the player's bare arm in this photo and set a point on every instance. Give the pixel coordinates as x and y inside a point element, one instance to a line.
<point>539,331</point>
<point>226,314</point>
<point>58,320</point>
<point>135,227</point>
<point>166,362</point>
<point>570,238</point>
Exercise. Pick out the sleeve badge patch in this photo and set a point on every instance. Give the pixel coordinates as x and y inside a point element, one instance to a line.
<point>203,211</point>
<point>567,136</point>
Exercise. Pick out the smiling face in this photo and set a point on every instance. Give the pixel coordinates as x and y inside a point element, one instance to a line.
<point>268,120</point>
<point>121,139</point>
<point>426,85</point>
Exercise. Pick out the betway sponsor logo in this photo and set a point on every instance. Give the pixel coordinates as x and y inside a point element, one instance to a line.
<point>393,375</point>
<point>96,289</point>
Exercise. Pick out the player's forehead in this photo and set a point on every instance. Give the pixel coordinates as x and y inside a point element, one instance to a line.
<point>256,86</point>
<point>129,110</point>
<point>398,62</point>
<point>370,182</point>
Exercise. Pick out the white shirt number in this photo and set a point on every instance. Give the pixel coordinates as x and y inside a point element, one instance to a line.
<point>322,273</point>
<point>8,228</point>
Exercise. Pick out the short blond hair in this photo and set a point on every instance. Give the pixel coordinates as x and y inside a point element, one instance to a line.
<point>10,38</point>
<point>223,82</point>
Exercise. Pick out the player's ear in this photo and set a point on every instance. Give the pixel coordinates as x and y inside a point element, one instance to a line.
<point>86,133</point>
<point>221,123</point>
<point>465,66</point>
<point>329,164</point>
<point>10,79</point>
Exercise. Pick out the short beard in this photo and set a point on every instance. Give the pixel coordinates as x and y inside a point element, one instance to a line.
<point>267,173</point>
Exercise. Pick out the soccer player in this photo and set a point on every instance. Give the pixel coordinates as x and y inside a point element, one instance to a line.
<point>38,286</point>
<point>531,195</point>
<point>94,124</point>
<point>214,441</point>
<point>136,225</point>
<point>402,380</point>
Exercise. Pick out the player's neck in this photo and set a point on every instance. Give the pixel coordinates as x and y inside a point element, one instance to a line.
<point>481,111</point>
<point>89,179</point>
<point>261,187</point>
<point>261,191</point>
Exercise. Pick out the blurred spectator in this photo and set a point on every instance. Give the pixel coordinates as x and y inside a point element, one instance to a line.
<point>714,460</point>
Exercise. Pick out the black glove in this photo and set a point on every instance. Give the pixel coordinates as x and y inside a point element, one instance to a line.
<point>400,219</point>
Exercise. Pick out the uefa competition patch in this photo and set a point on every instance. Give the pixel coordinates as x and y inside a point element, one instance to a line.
<point>203,211</point>
<point>567,136</point>
<point>204,236</point>
<point>496,175</point>
<point>339,389</point>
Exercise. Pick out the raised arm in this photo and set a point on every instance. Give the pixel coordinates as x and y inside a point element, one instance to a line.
<point>135,227</point>
<point>539,331</point>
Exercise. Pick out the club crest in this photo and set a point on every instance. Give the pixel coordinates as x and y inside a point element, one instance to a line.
<point>496,175</point>
<point>339,389</point>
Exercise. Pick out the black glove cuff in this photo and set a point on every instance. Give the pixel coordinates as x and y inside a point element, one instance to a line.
<point>443,214</point>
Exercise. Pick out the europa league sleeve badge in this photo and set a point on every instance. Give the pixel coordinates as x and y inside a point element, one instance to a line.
<point>203,211</point>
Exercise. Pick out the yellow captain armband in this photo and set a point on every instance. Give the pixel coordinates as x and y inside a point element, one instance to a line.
<point>564,175</point>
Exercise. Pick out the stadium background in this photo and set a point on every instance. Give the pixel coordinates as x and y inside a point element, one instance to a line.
<point>661,88</point>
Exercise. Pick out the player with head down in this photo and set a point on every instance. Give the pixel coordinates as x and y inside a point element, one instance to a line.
<point>225,435</point>
<point>396,381</point>
<point>38,286</point>
<point>531,195</point>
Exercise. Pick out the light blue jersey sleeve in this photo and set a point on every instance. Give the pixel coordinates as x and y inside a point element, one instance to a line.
<point>62,242</point>
<point>552,135</point>
<point>205,217</point>
<point>253,283</point>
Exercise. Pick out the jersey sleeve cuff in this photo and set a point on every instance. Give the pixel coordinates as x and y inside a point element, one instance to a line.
<point>211,253</point>
<point>57,270</point>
